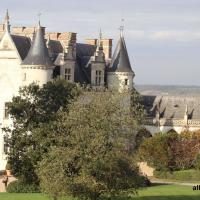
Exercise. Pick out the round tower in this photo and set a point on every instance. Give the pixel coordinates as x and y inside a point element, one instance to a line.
<point>37,66</point>
<point>120,74</point>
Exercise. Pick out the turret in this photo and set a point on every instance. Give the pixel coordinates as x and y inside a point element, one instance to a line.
<point>37,66</point>
<point>120,74</point>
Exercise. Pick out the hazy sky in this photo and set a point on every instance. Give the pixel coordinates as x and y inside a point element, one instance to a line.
<point>162,36</point>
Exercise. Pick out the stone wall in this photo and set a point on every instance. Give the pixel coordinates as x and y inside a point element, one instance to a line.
<point>10,80</point>
<point>116,81</point>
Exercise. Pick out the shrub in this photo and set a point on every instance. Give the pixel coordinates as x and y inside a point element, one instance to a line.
<point>184,151</point>
<point>197,162</point>
<point>156,152</point>
<point>21,187</point>
<point>8,167</point>
<point>145,181</point>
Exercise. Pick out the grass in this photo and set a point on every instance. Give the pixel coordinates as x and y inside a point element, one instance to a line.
<point>168,192</point>
<point>182,175</point>
<point>157,192</point>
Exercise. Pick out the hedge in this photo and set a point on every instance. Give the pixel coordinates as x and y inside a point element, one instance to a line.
<point>20,187</point>
<point>182,175</point>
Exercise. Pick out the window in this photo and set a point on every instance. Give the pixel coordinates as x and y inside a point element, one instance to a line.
<point>126,81</point>
<point>5,145</point>
<point>6,111</point>
<point>24,77</point>
<point>98,77</point>
<point>68,74</point>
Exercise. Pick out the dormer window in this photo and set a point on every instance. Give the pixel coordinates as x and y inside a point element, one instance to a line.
<point>98,77</point>
<point>68,74</point>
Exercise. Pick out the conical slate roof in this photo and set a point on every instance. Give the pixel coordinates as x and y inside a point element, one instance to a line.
<point>38,53</point>
<point>120,61</point>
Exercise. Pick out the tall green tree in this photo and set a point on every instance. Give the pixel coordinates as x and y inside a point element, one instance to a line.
<point>92,156</point>
<point>33,111</point>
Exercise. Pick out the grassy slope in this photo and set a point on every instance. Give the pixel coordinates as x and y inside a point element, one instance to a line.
<point>162,192</point>
<point>169,192</point>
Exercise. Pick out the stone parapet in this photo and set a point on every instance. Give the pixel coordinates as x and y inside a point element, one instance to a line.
<point>172,122</point>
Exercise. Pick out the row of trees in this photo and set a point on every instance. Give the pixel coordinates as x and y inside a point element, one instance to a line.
<point>74,142</point>
<point>172,151</point>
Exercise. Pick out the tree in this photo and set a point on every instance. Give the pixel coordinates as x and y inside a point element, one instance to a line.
<point>91,157</point>
<point>33,111</point>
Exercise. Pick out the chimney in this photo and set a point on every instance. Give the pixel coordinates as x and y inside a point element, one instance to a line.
<point>107,46</point>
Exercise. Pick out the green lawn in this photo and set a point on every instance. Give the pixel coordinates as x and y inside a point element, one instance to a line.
<point>161,192</point>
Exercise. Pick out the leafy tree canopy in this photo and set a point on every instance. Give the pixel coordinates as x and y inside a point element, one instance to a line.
<point>92,156</point>
<point>33,111</point>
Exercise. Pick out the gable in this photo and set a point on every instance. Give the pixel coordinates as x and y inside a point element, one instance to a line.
<point>8,49</point>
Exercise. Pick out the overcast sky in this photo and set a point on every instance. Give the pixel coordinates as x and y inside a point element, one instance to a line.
<point>162,36</point>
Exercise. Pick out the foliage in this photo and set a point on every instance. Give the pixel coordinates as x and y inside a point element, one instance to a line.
<point>33,111</point>
<point>8,166</point>
<point>184,152</point>
<point>197,162</point>
<point>141,135</point>
<point>170,151</point>
<point>93,154</point>
<point>156,152</point>
<point>182,175</point>
<point>20,187</point>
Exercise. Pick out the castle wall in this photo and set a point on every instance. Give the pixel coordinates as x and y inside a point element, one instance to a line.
<point>10,81</point>
<point>36,75</point>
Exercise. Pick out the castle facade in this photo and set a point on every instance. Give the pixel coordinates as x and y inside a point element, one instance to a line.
<point>30,54</point>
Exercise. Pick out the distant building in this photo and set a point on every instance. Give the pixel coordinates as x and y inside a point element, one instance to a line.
<point>166,113</point>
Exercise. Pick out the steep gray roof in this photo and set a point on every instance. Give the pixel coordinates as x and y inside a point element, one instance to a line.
<point>22,44</point>
<point>84,52</point>
<point>120,61</point>
<point>38,53</point>
<point>172,106</point>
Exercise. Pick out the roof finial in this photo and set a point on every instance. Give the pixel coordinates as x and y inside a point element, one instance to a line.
<point>7,23</point>
<point>186,110</point>
<point>39,17</point>
<point>100,34</point>
<point>100,38</point>
<point>7,16</point>
<point>121,28</point>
